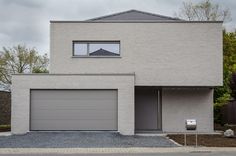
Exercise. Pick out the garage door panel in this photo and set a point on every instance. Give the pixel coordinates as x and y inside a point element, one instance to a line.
<point>73,104</point>
<point>73,124</point>
<point>73,109</point>
<point>75,94</point>
<point>74,114</point>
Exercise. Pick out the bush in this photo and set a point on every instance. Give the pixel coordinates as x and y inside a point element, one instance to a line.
<point>5,128</point>
<point>218,116</point>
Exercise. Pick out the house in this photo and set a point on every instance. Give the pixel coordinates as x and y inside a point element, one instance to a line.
<point>127,72</point>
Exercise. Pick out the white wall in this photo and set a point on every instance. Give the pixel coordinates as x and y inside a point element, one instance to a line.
<point>160,54</point>
<point>181,104</point>
<point>178,104</point>
<point>20,116</point>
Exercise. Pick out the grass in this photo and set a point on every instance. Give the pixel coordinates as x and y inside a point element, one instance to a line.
<point>5,128</point>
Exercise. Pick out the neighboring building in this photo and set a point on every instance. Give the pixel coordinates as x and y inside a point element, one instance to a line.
<point>128,72</point>
<point>5,107</point>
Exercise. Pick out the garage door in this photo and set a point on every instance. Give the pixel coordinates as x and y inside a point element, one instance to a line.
<point>73,110</point>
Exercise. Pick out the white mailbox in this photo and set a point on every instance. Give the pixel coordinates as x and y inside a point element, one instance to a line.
<point>191,124</point>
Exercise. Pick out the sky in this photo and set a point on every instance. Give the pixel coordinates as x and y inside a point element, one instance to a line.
<point>27,21</point>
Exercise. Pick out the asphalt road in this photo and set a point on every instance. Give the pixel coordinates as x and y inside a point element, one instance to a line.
<point>143,154</point>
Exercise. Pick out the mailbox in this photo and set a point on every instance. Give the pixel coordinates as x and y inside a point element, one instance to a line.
<point>191,124</point>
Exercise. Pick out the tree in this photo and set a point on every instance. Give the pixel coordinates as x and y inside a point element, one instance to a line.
<point>233,86</point>
<point>223,94</point>
<point>204,11</point>
<point>20,59</point>
<point>229,67</point>
<point>208,11</point>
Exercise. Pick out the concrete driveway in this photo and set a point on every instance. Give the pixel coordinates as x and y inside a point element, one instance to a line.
<point>82,140</point>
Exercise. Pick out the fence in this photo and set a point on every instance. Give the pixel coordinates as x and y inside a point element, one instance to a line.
<point>5,108</point>
<point>229,113</point>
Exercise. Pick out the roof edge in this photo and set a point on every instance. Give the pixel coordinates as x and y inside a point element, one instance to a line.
<point>143,12</point>
<point>135,21</point>
<point>79,74</point>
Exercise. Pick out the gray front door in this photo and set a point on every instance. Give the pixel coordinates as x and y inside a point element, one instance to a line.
<point>73,110</point>
<point>147,109</point>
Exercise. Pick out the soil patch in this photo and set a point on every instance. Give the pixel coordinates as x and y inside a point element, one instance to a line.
<point>205,140</point>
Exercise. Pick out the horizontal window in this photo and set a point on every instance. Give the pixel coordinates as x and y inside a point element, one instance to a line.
<point>99,49</point>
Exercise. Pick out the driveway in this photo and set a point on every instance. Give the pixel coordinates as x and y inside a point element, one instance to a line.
<point>81,139</point>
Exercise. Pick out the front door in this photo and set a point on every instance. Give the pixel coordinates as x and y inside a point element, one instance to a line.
<point>147,109</point>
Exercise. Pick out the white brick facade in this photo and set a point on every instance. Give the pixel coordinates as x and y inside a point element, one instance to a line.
<point>160,54</point>
<point>23,83</point>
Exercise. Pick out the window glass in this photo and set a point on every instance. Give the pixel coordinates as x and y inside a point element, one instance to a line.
<point>104,49</point>
<point>97,48</point>
<point>80,49</point>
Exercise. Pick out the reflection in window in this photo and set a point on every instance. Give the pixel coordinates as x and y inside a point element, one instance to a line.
<point>104,49</point>
<point>97,48</point>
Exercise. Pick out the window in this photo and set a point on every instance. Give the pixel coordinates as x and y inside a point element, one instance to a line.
<point>80,49</point>
<point>96,49</point>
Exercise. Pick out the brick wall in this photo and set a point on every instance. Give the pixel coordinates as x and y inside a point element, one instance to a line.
<point>5,108</point>
<point>22,84</point>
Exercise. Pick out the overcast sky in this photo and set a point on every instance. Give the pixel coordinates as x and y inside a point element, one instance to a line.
<point>27,21</point>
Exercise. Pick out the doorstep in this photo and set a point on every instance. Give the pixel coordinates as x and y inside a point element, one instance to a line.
<point>150,133</point>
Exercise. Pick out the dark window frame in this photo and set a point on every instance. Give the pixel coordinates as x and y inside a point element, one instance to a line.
<point>95,42</point>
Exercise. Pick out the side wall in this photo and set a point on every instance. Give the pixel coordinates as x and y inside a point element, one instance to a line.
<point>160,54</point>
<point>22,84</point>
<point>181,104</point>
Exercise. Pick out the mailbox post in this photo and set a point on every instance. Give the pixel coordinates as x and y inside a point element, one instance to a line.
<point>190,125</point>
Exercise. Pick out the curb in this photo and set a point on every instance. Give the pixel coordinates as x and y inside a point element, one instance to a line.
<point>5,134</point>
<point>174,142</point>
<point>113,150</point>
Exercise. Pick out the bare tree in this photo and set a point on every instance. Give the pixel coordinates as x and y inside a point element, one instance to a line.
<point>20,59</point>
<point>203,11</point>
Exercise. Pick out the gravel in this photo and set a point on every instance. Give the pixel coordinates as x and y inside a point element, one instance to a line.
<point>82,140</point>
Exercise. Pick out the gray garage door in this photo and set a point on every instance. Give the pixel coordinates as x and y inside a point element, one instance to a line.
<point>73,110</point>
